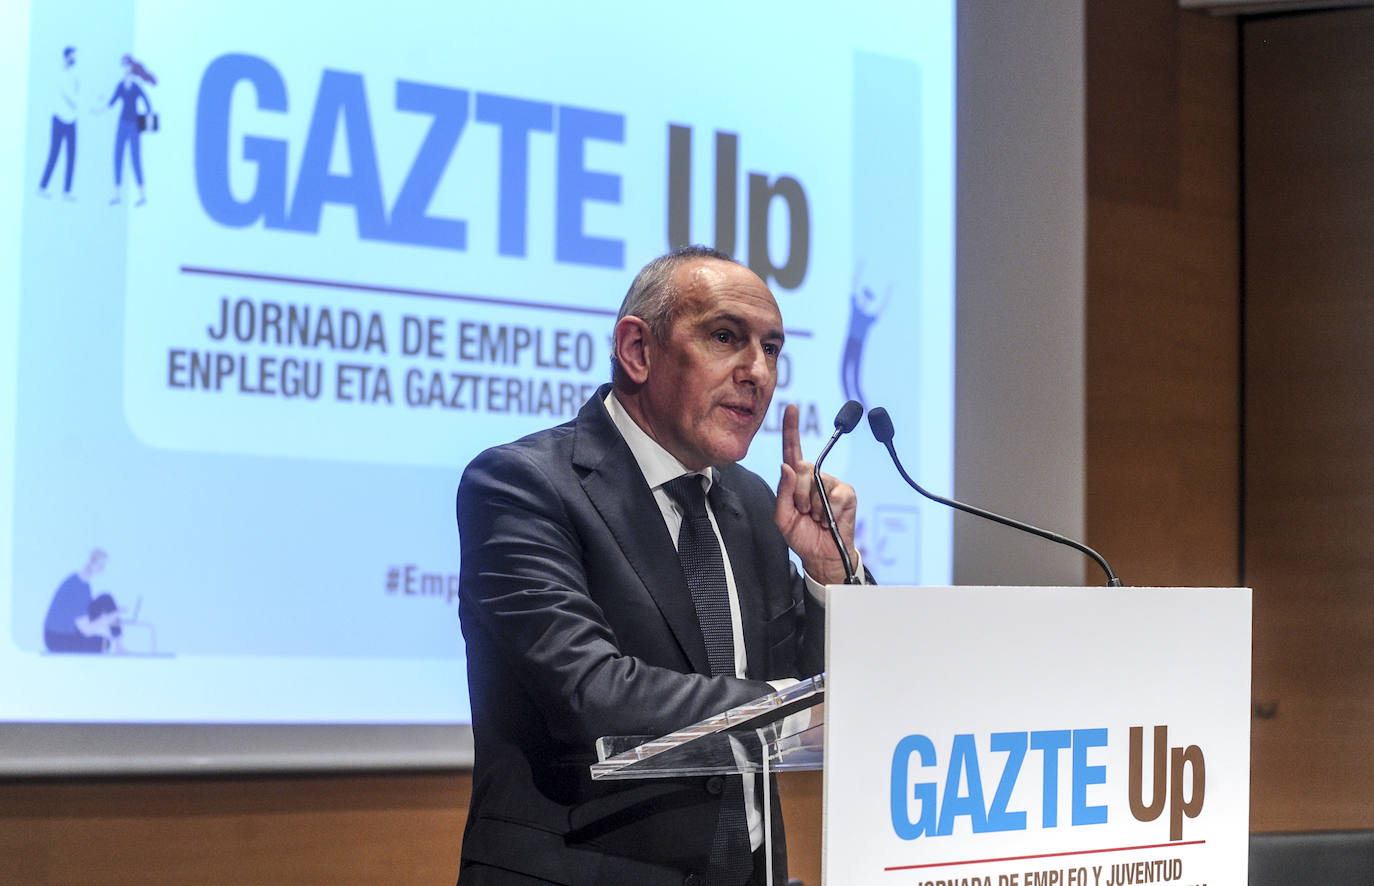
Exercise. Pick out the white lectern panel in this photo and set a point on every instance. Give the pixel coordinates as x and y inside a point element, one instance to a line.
<point>1037,736</point>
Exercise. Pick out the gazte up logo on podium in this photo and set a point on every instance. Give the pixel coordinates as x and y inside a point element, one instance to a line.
<point>1169,766</point>
<point>1068,758</point>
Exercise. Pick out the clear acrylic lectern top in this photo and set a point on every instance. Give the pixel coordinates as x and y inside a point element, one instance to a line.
<point>779,731</point>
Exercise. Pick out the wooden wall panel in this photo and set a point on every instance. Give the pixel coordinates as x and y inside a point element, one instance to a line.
<point>1162,301</point>
<point>337,829</point>
<point>1309,161</point>
<point>275,831</point>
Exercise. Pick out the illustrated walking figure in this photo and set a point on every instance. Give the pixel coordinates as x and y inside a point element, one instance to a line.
<point>127,133</point>
<point>864,308</point>
<point>63,125</point>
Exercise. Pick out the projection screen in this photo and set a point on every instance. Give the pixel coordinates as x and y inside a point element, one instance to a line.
<point>273,274</point>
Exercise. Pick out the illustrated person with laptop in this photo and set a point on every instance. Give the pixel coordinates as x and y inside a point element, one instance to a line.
<point>77,621</point>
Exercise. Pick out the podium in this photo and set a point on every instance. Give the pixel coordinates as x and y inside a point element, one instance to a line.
<point>1006,736</point>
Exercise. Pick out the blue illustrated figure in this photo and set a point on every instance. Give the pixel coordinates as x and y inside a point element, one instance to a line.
<point>77,621</point>
<point>127,133</point>
<point>63,125</point>
<point>864,309</point>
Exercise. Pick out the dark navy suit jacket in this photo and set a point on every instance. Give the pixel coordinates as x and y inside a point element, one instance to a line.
<point>579,624</point>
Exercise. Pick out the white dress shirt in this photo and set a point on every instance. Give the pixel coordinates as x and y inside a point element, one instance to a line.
<point>68,93</point>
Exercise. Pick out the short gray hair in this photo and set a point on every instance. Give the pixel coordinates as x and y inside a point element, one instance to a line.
<point>652,296</point>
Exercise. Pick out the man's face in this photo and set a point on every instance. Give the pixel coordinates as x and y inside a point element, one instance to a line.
<point>710,383</point>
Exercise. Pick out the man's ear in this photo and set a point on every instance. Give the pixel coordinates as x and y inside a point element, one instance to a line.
<point>633,344</point>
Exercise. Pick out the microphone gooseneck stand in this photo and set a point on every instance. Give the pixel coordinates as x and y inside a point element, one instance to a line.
<point>845,421</point>
<point>881,425</point>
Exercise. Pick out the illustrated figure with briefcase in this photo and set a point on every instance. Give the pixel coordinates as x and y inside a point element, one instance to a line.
<point>131,123</point>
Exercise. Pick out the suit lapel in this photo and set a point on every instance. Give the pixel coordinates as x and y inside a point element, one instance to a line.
<point>636,523</point>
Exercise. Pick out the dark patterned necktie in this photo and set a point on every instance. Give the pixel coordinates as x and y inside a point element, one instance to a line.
<point>698,548</point>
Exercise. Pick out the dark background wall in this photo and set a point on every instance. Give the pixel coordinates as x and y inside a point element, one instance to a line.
<point>1309,414</point>
<point>1162,307</point>
<point>1230,380</point>
<point>1227,419</point>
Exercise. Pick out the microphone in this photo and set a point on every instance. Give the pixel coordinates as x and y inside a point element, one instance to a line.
<point>881,425</point>
<point>845,421</point>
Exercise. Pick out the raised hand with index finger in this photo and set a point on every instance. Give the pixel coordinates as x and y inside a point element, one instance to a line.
<point>799,514</point>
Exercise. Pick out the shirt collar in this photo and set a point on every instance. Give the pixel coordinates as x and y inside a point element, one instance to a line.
<point>657,464</point>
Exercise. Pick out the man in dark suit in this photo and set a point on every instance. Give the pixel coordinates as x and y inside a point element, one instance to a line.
<point>581,621</point>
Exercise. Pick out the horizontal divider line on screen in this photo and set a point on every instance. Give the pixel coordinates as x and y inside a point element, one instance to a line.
<point>418,293</point>
<point>393,290</point>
